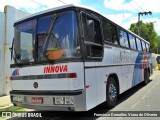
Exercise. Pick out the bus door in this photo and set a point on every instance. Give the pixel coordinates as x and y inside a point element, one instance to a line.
<point>125,60</point>
<point>93,52</point>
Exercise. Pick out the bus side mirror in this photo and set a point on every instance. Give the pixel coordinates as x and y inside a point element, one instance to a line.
<point>11,49</point>
<point>90,30</point>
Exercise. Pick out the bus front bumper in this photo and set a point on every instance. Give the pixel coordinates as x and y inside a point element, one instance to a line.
<point>50,100</point>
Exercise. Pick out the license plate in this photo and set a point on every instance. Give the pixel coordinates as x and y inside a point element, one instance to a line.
<point>37,100</point>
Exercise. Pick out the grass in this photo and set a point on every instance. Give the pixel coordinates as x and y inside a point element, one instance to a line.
<point>14,108</point>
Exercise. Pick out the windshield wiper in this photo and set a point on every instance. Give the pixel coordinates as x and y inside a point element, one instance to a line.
<point>43,47</point>
<point>11,49</point>
<point>46,40</point>
<point>15,58</point>
<point>49,37</point>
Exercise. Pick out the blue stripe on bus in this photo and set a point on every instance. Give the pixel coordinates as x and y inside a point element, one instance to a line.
<point>138,68</point>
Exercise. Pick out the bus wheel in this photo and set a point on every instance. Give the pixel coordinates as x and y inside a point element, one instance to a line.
<point>146,77</point>
<point>111,93</point>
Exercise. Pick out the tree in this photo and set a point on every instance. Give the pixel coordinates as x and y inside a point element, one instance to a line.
<point>148,33</point>
<point>158,44</point>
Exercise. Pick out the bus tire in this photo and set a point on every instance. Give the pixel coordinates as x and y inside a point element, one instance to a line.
<point>111,93</point>
<point>146,77</point>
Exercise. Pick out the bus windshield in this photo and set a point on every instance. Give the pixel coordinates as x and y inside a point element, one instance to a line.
<point>49,37</point>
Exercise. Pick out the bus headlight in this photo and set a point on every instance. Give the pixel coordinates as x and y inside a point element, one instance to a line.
<point>20,99</point>
<point>59,101</point>
<point>17,98</point>
<point>63,101</point>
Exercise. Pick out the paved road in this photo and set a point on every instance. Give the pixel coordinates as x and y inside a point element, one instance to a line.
<point>139,98</point>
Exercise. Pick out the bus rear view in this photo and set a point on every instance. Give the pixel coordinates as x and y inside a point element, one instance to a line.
<point>47,70</point>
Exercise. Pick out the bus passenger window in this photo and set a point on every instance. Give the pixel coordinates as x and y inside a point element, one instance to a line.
<point>139,44</point>
<point>92,35</point>
<point>114,34</point>
<point>110,32</point>
<point>147,47</point>
<point>132,42</point>
<point>123,38</point>
<point>143,46</point>
<point>107,32</point>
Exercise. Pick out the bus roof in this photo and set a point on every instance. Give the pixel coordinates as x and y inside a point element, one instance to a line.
<point>50,10</point>
<point>78,6</point>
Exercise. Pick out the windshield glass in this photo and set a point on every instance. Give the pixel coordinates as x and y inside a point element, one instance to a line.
<point>24,41</point>
<point>49,37</point>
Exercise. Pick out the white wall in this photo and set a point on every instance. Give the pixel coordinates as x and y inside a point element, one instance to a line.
<point>9,16</point>
<point>2,81</point>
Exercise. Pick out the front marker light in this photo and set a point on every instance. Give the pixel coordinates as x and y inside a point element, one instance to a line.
<point>15,98</point>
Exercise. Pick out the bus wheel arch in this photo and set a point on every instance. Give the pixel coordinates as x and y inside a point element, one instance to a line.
<point>112,90</point>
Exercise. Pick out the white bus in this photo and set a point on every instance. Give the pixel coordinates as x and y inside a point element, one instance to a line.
<point>72,58</point>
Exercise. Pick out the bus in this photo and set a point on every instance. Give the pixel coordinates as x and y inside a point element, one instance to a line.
<point>72,58</point>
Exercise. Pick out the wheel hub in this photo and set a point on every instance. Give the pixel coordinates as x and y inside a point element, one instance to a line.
<point>112,92</point>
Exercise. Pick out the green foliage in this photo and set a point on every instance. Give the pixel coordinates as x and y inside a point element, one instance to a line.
<point>148,33</point>
<point>158,44</point>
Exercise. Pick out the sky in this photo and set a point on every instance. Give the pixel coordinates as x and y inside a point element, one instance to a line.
<point>123,12</point>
